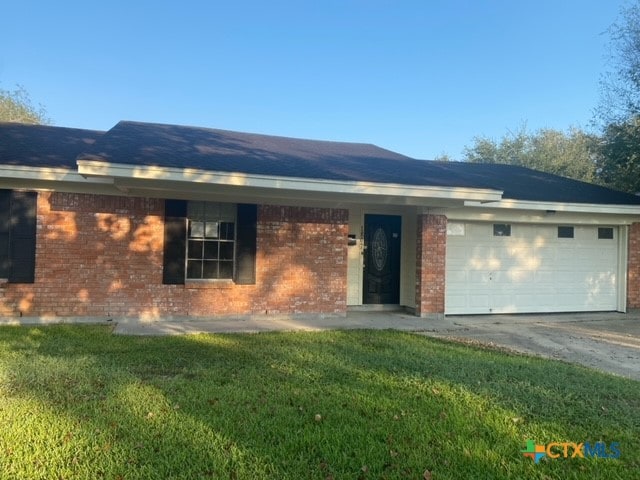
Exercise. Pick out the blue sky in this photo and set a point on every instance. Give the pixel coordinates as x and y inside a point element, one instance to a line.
<point>418,77</point>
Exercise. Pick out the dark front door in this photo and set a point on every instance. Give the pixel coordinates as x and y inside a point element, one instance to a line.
<point>382,259</point>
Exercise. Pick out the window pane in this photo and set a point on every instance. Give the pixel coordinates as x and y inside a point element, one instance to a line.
<point>501,230</point>
<point>211,250</point>
<point>194,269</point>
<point>605,233</point>
<point>211,230</point>
<point>565,232</point>
<point>226,251</point>
<point>210,269</point>
<point>195,249</point>
<point>226,270</point>
<point>196,229</point>
<point>455,229</point>
<point>227,231</point>
<point>211,236</point>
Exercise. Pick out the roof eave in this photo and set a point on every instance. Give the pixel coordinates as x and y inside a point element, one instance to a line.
<point>558,206</point>
<point>47,174</point>
<point>147,175</point>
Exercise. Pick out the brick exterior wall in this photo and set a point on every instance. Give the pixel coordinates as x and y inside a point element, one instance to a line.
<point>102,256</point>
<point>430,265</point>
<point>633,268</point>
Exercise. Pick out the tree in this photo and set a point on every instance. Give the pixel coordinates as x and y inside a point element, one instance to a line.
<point>16,106</point>
<point>571,154</point>
<point>620,85</point>
<point>619,160</point>
<point>443,157</point>
<point>618,163</point>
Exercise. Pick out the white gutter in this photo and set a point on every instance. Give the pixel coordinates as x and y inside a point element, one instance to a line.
<point>557,207</point>
<point>92,168</point>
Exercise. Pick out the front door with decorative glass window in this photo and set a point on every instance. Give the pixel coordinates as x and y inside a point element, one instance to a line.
<point>382,259</point>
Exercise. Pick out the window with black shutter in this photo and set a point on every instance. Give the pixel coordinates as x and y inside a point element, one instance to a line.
<point>209,241</point>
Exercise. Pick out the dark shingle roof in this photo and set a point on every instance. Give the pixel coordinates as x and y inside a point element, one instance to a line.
<point>226,151</point>
<point>234,152</point>
<point>520,183</point>
<point>43,145</point>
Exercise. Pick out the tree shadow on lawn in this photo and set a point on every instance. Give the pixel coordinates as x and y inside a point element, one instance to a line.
<point>392,405</point>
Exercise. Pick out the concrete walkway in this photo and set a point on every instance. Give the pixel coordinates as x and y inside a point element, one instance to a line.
<point>605,341</point>
<point>270,323</point>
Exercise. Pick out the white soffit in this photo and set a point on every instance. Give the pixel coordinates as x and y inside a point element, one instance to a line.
<point>51,174</point>
<point>148,174</point>
<point>556,207</point>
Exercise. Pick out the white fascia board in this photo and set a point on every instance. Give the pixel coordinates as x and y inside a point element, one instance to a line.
<point>48,174</point>
<point>92,168</point>
<point>557,207</point>
<point>538,217</point>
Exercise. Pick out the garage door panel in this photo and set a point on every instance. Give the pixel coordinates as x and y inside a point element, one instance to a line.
<point>542,277</point>
<point>566,277</point>
<point>479,301</point>
<point>546,299</point>
<point>458,277</point>
<point>530,271</point>
<point>520,276</point>
<point>479,276</point>
<point>526,301</point>
<point>458,255</point>
<point>503,300</point>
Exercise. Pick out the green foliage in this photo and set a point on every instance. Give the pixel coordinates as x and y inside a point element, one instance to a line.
<point>620,85</point>
<point>16,106</point>
<point>569,154</point>
<point>619,162</point>
<point>443,157</point>
<point>619,110</point>
<point>77,403</point>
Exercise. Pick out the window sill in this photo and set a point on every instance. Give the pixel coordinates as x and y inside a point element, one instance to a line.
<point>208,284</point>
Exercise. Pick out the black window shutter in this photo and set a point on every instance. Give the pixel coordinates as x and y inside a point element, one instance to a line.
<point>5,232</point>
<point>247,219</point>
<point>22,243</point>
<point>175,237</point>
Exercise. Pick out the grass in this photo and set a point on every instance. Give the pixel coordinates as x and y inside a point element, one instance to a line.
<point>79,403</point>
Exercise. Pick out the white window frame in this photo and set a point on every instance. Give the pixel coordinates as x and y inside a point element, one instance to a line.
<point>204,217</point>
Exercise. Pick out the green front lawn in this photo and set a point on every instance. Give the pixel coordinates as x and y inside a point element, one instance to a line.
<point>79,403</point>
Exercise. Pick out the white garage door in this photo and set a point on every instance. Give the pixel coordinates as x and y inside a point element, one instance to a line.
<point>515,268</point>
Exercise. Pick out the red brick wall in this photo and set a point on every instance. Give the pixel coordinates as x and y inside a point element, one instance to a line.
<point>430,264</point>
<point>102,256</point>
<point>633,266</point>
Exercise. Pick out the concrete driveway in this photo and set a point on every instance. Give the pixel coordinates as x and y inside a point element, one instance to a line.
<point>605,341</point>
